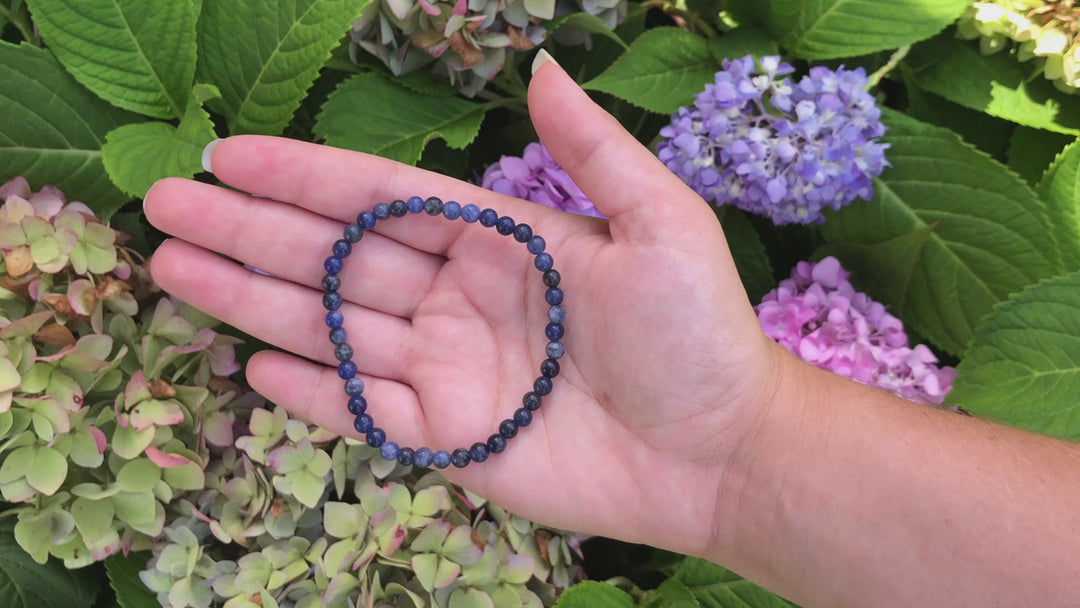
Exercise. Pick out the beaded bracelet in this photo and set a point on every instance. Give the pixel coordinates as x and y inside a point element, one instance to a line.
<point>354,386</point>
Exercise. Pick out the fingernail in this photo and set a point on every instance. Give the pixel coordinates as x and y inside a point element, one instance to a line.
<point>541,58</point>
<point>207,153</point>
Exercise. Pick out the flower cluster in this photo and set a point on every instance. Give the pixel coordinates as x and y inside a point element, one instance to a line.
<point>1042,30</point>
<point>466,40</point>
<point>819,317</point>
<point>785,150</point>
<point>536,177</point>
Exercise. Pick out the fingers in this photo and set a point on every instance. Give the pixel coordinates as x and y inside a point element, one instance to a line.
<point>284,314</point>
<point>645,201</point>
<point>291,243</point>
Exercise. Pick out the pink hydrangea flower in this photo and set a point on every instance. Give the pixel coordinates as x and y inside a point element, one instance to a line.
<point>819,317</point>
<point>536,177</point>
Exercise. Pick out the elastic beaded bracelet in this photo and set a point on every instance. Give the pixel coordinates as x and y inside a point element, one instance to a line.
<point>343,352</point>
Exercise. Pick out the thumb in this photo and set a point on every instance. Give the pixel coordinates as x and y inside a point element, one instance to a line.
<point>645,201</point>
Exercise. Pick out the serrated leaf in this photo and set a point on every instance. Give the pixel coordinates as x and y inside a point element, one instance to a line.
<point>663,69</point>
<point>1032,151</point>
<point>996,84</point>
<point>138,155</point>
<point>1023,367</point>
<point>265,54</point>
<point>594,594</point>
<point>673,594</point>
<point>717,587</point>
<point>751,258</point>
<point>52,129</point>
<point>740,42</point>
<point>985,132</point>
<point>124,578</point>
<point>136,54</point>
<point>25,584</point>
<point>585,22</point>
<point>371,114</point>
<point>990,230</point>
<point>1060,188</point>
<point>830,29</point>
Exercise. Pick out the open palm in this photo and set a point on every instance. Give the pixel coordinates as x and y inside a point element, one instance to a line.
<point>665,366</point>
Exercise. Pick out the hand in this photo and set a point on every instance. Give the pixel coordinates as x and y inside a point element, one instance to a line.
<point>666,372</point>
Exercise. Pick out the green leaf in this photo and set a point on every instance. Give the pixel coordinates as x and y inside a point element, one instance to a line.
<point>25,584</point>
<point>673,594</point>
<point>717,587</point>
<point>371,114</point>
<point>987,133</point>
<point>751,258</point>
<point>52,129</point>
<point>990,230</point>
<point>1023,367</point>
<point>138,155</point>
<point>594,594</point>
<point>663,69</point>
<point>1060,188</point>
<point>740,42</point>
<point>265,54</point>
<point>136,54</point>
<point>1031,151</point>
<point>996,84</point>
<point>584,23</point>
<point>829,29</point>
<point>124,577</point>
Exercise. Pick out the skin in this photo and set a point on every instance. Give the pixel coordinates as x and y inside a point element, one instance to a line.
<point>674,421</point>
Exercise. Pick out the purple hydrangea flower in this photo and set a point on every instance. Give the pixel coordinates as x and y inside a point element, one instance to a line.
<point>784,150</point>
<point>819,317</point>
<point>536,177</point>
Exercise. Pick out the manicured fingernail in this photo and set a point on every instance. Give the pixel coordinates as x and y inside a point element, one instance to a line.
<point>208,152</point>
<point>541,58</point>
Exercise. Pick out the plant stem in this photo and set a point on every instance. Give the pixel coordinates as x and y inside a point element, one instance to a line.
<point>889,66</point>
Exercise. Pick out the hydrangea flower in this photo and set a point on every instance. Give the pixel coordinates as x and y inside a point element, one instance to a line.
<point>536,177</point>
<point>785,150</point>
<point>819,317</point>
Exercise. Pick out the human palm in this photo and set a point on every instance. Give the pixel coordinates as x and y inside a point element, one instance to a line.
<point>665,366</point>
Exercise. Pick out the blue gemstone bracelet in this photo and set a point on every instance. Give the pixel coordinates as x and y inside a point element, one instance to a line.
<point>343,352</point>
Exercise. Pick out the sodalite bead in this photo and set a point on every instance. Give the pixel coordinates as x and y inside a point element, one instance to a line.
<point>536,244</point>
<point>333,264</point>
<point>353,233</point>
<point>398,209</point>
<point>556,314</point>
<point>542,386</point>
<point>381,211</point>
<point>496,444</point>
<point>451,210</point>
<point>341,248</point>
<point>357,405</point>
<point>554,331</point>
<point>347,370</point>
<point>441,459</point>
<point>343,352</point>
<point>433,206</point>
<point>543,261</point>
<point>405,457</point>
<point>331,282</point>
<point>366,219</point>
<point>488,217</point>
<point>522,233</point>
<point>552,278</point>
<point>363,423</point>
<point>415,204</point>
<point>555,350</point>
<point>508,428</point>
<point>459,458</point>
<point>338,335</point>
<point>334,318</point>
<point>531,401</point>
<point>478,452</point>
<point>549,368</point>
<point>553,296</point>
<point>423,457</point>
<point>375,437</point>
<point>522,417</point>
<point>354,387</point>
<point>470,213</point>
<point>332,300</point>
<point>505,225</point>
<point>389,450</point>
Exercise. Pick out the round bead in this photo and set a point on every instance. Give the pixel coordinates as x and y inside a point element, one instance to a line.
<point>556,314</point>
<point>554,331</point>
<point>381,211</point>
<point>398,208</point>
<point>543,261</point>
<point>496,444</point>
<point>376,437</point>
<point>343,352</point>
<point>353,233</point>
<point>451,210</point>
<point>522,233</point>
<point>522,417</point>
<point>552,277</point>
<point>433,206</point>
<point>334,319</point>
<point>505,225</point>
<point>338,335</point>
<point>423,457</point>
<point>470,213</point>
<point>389,450</point>
<point>549,368</point>
<point>508,429</point>
<point>347,370</point>
<point>536,244</point>
<point>331,282</point>
<point>441,459</point>
<point>542,386</point>
<point>341,248</point>
<point>354,387</point>
<point>332,300</point>
<point>553,296</point>
<point>488,217</point>
<point>478,452</point>
<point>357,405</point>
<point>460,458</point>
<point>333,264</point>
<point>405,457</point>
<point>363,423</point>
<point>531,401</point>
<point>366,220</point>
<point>415,204</point>
<point>555,350</point>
